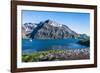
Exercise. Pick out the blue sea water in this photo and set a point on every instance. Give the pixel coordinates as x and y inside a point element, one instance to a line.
<point>47,44</point>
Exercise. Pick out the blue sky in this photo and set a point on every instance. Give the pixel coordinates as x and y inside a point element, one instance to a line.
<point>79,22</point>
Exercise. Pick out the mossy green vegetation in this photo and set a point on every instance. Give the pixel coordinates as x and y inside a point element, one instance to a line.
<point>40,56</point>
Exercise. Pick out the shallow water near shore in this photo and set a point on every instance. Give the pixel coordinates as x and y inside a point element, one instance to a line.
<point>48,44</point>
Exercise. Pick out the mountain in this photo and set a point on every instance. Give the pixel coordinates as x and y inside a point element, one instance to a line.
<point>47,30</point>
<point>83,36</point>
<point>27,28</point>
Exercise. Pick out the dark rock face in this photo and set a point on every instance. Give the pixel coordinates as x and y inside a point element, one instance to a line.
<point>49,30</point>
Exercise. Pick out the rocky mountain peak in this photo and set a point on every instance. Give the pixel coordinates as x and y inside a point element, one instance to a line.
<point>49,30</point>
<point>53,23</point>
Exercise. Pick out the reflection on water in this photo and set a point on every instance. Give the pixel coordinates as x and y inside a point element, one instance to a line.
<point>42,45</point>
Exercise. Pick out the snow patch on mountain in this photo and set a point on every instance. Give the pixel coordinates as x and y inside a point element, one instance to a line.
<point>56,24</point>
<point>53,23</point>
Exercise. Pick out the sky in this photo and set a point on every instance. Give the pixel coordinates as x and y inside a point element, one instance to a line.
<point>78,22</point>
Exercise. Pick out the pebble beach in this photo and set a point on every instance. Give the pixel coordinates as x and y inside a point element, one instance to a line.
<point>57,55</point>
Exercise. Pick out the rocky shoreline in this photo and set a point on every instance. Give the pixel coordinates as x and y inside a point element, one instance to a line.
<point>57,55</point>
